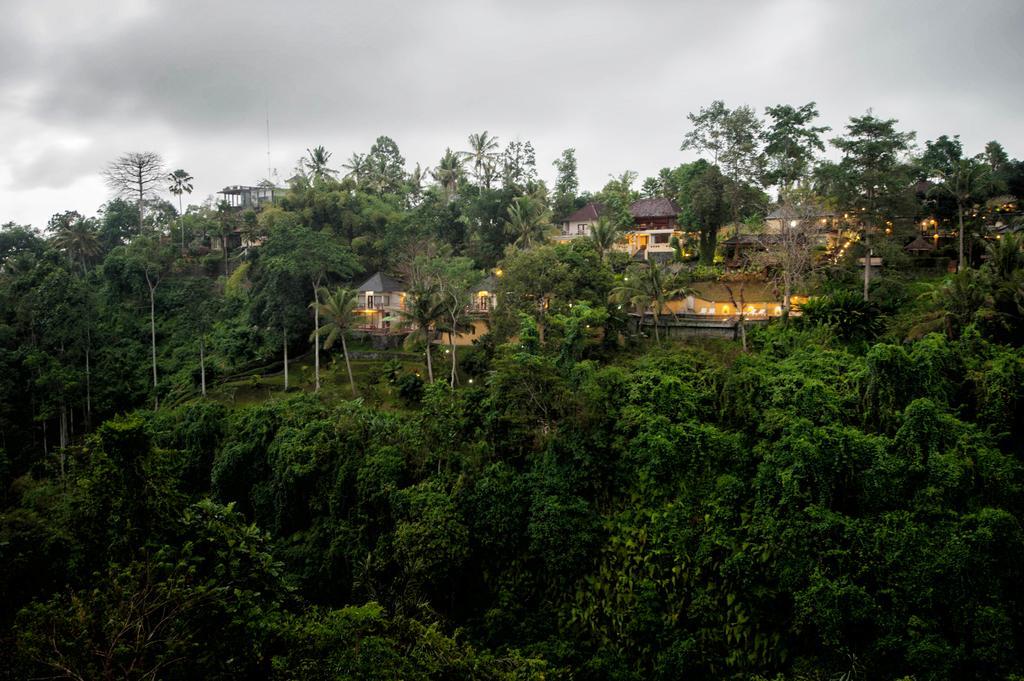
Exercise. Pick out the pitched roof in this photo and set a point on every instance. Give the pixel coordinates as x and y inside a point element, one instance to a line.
<point>591,211</point>
<point>488,283</point>
<point>654,208</point>
<point>919,244</point>
<point>381,282</point>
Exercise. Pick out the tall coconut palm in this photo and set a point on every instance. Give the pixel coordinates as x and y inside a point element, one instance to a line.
<point>605,234</point>
<point>356,166</point>
<point>181,183</point>
<point>448,173</point>
<point>316,162</point>
<point>78,239</point>
<point>416,181</point>
<point>649,287</point>
<point>965,180</point>
<point>337,309</point>
<point>528,221</point>
<point>423,313</point>
<point>483,150</point>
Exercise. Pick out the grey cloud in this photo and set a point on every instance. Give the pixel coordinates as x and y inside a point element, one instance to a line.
<point>613,79</point>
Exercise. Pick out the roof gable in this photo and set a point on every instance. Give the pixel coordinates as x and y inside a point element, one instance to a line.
<point>591,211</point>
<point>654,208</point>
<point>379,281</point>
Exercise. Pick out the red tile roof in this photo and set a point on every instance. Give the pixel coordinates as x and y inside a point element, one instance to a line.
<point>654,208</point>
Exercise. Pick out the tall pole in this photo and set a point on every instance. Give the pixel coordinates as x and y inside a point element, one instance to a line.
<point>867,269</point>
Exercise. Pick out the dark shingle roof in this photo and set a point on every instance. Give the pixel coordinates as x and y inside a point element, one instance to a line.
<point>919,244</point>
<point>654,208</point>
<point>488,283</point>
<point>591,211</point>
<point>381,282</point>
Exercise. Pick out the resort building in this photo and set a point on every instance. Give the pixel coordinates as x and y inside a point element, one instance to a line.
<point>654,225</point>
<point>381,298</point>
<point>580,223</point>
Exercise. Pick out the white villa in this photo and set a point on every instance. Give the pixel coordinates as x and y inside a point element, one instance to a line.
<point>579,224</point>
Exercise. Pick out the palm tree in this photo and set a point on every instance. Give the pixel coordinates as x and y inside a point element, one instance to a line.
<point>78,239</point>
<point>356,167</point>
<point>1005,255</point>
<point>181,183</point>
<point>605,234</point>
<point>316,164</point>
<point>528,221</point>
<point>482,152</point>
<point>338,311</point>
<point>448,173</point>
<point>966,179</point>
<point>416,178</point>
<point>424,312</point>
<point>649,288</point>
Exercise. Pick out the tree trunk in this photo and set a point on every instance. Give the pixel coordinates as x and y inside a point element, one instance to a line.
<point>152,337</point>
<point>787,294</point>
<point>316,337</point>
<point>181,225</point>
<point>867,273</point>
<point>141,196</point>
<point>451,342</point>
<point>202,365</point>
<point>430,367</point>
<point>284,333</point>
<point>348,365</point>
<point>960,216</point>
<point>224,247</point>
<point>657,334</point>
<point>88,382</point>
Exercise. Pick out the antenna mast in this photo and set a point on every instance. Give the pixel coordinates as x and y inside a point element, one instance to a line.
<point>267,109</point>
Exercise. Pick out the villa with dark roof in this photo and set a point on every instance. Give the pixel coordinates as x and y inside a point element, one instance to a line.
<point>580,223</point>
<point>381,298</point>
<point>654,225</point>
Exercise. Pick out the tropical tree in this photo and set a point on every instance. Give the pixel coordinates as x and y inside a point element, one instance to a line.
<point>76,236</point>
<point>448,173</point>
<point>356,167</point>
<point>181,183</point>
<point>605,234</point>
<point>966,179</point>
<point>422,314</point>
<point>482,153</point>
<point>649,287</point>
<point>790,144</point>
<point>528,221</point>
<point>135,174</point>
<point>385,167</point>
<point>337,309</point>
<point>567,183</point>
<point>316,162</point>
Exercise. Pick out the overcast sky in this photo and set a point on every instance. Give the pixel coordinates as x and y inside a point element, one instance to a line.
<point>83,81</point>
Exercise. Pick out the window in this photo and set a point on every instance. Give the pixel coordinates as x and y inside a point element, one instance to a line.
<point>661,238</point>
<point>581,228</point>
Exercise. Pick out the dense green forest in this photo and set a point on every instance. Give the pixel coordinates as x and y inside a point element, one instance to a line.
<point>208,472</point>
